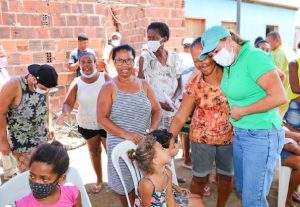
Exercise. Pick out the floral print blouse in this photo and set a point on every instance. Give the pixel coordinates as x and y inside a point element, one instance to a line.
<point>27,122</point>
<point>210,121</point>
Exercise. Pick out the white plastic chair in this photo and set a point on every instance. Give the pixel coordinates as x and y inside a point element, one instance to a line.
<point>120,152</point>
<point>283,186</point>
<point>18,187</point>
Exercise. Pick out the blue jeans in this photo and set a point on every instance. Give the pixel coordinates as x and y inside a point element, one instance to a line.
<point>255,153</point>
<point>292,116</point>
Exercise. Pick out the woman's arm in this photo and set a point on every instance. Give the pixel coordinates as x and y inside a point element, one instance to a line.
<point>78,200</point>
<point>104,104</point>
<point>141,65</point>
<point>178,90</point>
<point>293,77</point>
<point>275,97</point>
<point>294,148</point>
<point>186,107</point>
<point>156,110</point>
<point>69,102</point>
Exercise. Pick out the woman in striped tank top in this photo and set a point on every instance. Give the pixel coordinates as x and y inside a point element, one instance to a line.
<point>126,109</point>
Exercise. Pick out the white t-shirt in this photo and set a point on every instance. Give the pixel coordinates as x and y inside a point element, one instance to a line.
<point>4,77</point>
<point>163,78</point>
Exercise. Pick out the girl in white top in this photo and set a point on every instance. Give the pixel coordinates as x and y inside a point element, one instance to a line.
<point>84,90</point>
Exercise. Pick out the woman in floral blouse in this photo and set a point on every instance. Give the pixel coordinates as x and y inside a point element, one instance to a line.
<point>211,133</point>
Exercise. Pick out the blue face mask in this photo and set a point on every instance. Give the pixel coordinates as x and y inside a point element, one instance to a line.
<point>42,190</point>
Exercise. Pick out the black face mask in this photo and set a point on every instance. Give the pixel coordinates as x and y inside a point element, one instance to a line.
<point>42,190</point>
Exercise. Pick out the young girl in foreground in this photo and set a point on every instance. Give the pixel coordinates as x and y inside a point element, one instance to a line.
<point>155,189</point>
<point>47,167</point>
<point>183,196</point>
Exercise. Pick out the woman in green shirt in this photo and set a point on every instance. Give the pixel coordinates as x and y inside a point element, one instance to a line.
<point>254,91</point>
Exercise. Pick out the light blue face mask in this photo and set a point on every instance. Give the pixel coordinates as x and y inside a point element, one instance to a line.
<point>90,75</point>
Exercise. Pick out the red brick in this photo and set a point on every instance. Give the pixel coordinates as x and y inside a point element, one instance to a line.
<point>83,20</point>
<point>100,32</point>
<point>55,32</point>
<point>20,70</point>
<point>60,57</point>
<point>43,32</point>
<point>66,33</point>
<point>35,45</point>
<point>175,22</point>
<point>23,33</point>
<point>4,6</point>
<point>5,32</point>
<point>94,21</point>
<point>72,20</point>
<point>26,59</point>
<point>177,13</point>
<point>77,8</point>
<point>59,20</point>
<point>22,45</point>
<point>59,67</point>
<point>88,8</point>
<point>36,20</point>
<point>60,7</point>
<point>14,59</point>
<point>35,6</point>
<point>72,44</point>
<point>62,44</point>
<point>15,5</point>
<point>9,46</point>
<point>23,19</point>
<point>8,18</point>
<point>101,10</point>
<point>62,79</point>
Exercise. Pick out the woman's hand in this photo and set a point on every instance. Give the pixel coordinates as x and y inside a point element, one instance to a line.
<point>134,137</point>
<point>166,106</point>
<point>237,113</point>
<point>61,118</point>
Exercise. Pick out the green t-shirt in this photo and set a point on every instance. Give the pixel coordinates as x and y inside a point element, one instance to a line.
<point>241,88</point>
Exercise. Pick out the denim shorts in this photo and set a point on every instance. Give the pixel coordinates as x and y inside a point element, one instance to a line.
<point>285,154</point>
<point>292,116</point>
<point>204,155</point>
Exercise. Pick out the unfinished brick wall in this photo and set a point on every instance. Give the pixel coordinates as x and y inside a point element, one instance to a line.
<point>45,31</point>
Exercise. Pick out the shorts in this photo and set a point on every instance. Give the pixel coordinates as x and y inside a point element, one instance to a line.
<point>89,133</point>
<point>204,155</point>
<point>285,154</point>
<point>292,116</point>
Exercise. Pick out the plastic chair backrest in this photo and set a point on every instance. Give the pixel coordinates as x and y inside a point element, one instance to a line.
<point>18,187</point>
<point>120,152</point>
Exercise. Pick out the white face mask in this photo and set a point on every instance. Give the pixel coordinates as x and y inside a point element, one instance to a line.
<point>115,43</point>
<point>38,90</point>
<point>153,45</point>
<point>224,58</point>
<point>90,75</point>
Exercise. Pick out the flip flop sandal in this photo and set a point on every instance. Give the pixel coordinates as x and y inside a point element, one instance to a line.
<point>296,197</point>
<point>206,190</point>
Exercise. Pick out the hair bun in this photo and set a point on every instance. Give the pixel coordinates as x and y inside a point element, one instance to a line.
<point>132,154</point>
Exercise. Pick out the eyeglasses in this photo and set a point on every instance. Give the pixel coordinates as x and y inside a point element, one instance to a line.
<point>128,61</point>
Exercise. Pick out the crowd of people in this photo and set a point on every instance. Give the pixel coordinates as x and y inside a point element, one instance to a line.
<point>231,103</point>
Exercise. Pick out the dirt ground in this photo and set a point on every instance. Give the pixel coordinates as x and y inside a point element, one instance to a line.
<point>105,198</point>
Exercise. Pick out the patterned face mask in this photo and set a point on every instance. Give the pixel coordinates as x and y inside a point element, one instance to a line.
<point>42,190</point>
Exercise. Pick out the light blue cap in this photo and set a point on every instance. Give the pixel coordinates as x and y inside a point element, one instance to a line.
<point>211,38</point>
